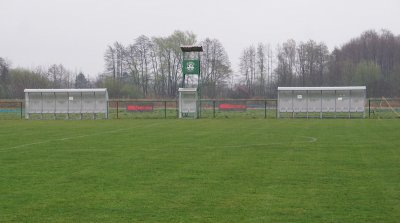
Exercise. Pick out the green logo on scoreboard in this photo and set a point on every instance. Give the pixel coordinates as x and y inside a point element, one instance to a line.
<point>191,67</point>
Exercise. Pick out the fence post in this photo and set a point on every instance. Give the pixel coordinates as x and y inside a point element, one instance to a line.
<point>199,109</point>
<point>117,109</point>
<point>265,108</point>
<point>214,108</point>
<point>20,105</point>
<point>369,108</point>
<point>165,109</point>
<point>177,108</point>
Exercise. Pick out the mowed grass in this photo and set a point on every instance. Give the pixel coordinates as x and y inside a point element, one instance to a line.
<point>200,171</point>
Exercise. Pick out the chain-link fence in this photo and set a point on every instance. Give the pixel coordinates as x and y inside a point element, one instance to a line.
<point>208,108</point>
<point>11,109</point>
<point>238,108</point>
<point>141,109</point>
<point>385,108</point>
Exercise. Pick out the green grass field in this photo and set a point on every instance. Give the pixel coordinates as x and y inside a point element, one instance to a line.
<point>241,170</point>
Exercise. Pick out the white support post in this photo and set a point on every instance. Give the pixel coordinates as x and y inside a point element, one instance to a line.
<point>292,104</point>
<point>80,109</point>
<point>41,102</point>
<point>278,107</point>
<point>335,102</point>
<point>94,110</point>
<point>27,108</point>
<point>307,102</point>
<point>55,106</point>
<point>349,103</point>
<point>364,96</point>
<point>320,107</point>
<point>106,106</point>
<point>68,105</point>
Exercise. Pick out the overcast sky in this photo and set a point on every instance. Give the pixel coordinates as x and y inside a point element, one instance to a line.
<point>75,33</point>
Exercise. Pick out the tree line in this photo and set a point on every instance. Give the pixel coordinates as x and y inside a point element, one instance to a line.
<point>13,81</point>
<point>150,67</point>
<point>372,59</point>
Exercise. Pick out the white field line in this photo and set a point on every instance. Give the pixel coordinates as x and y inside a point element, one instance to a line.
<point>72,137</point>
<point>61,139</point>
<point>310,140</point>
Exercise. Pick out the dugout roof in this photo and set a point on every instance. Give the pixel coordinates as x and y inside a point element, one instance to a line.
<point>322,88</point>
<point>65,90</point>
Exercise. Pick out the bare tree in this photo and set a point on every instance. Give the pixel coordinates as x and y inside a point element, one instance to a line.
<point>269,68</point>
<point>81,81</point>
<point>215,67</point>
<point>261,70</point>
<point>24,78</point>
<point>131,64</point>
<point>143,46</point>
<point>4,78</point>
<point>119,50</point>
<point>312,60</point>
<point>248,68</point>
<point>286,70</point>
<point>110,59</point>
<point>59,76</point>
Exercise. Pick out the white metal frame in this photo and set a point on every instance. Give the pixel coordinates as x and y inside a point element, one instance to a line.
<point>350,99</point>
<point>66,101</point>
<point>188,102</point>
